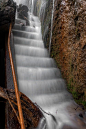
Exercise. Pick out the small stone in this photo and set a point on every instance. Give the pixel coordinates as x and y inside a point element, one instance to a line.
<point>81,115</point>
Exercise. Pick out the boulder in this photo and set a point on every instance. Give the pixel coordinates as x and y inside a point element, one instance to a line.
<point>23,13</point>
<point>7,12</point>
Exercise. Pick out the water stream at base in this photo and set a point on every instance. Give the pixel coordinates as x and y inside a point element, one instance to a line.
<point>41,81</point>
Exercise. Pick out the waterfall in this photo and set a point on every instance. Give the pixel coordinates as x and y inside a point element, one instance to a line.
<point>32,7</point>
<point>51,27</point>
<point>24,2</point>
<point>43,13</point>
<point>40,8</point>
<point>38,76</point>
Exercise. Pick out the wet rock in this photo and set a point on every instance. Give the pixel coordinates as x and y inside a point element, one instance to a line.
<point>81,115</point>
<point>7,12</point>
<point>68,45</point>
<point>23,12</point>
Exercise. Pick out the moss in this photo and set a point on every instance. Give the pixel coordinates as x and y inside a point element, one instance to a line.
<point>69,86</point>
<point>58,65</point>
<point>76,95</point>
<point>84,103</point>
<point>76,31</point>
<point>81,102</point>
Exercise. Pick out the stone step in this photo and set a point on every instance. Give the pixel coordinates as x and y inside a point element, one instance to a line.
<point>24,28</point>
<point>28,42</point>
<point>31,51</point>
<point>34,88</point>
<point>30,73</point>
<point>29,35</point>
<point>18,21</point>
<point>51,99</point>
<point>27,61</point>
<point>34,24</point>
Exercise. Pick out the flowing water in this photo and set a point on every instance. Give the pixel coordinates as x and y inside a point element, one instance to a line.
<point>32,7</point>
<point>41,81</point>
<point>51,26</point>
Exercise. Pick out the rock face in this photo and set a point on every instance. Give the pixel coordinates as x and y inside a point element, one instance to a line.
<point>69,44</point>
<point>7,12</point>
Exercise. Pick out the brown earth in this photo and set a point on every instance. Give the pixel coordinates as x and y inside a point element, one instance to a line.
<point>69,45</point>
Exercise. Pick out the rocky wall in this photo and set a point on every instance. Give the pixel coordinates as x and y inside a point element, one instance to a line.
<point>7,12</point>
<point>69,45</point>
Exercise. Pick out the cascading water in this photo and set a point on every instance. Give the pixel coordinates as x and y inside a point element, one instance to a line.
<point>32,7</point>
<point>42,8</point>
<point>40,79</point>
<point>51,27</point>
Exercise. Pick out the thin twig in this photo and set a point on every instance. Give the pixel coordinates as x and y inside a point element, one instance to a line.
<point>12,107</point>
<point>53,117</point>
<point>42,109</point>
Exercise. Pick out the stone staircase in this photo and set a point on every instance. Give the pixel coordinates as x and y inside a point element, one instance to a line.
<point>39,78</point>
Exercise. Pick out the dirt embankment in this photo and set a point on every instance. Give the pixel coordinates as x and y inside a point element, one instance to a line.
<point>69,45</point>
